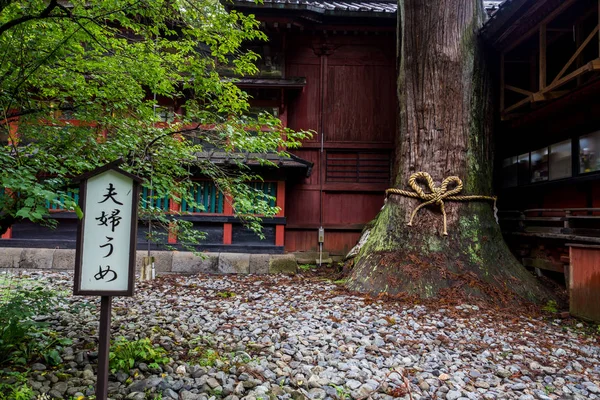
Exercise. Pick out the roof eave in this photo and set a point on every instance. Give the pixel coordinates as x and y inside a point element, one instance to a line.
<point>316,10</point>
<point>505,13</point>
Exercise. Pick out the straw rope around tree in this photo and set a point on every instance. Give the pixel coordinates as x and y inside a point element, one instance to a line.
<point>437,195</point>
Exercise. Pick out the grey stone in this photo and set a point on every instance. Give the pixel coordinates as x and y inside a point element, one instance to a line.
<point>560,352</point>
<point>10,257</point>
<point>170,394</point>
<point>353,384</point>
<point>36,258</point>
<point>60,387</point>
<point>163,260</point>
<point>186,262</point>
<point>317,394</point>
<point>234,263</point>
<point>55,394</point>
<point>88,374</point>
<point>121,376</point>
<point>144,384</point>
<point>259,263</point>
<point>285,264</point>
<point>187,395</point>
<point>212,382</point>
<point>38,367</point>
<point>453,395</point>
<point>136,396</point>
<point>63,259</point>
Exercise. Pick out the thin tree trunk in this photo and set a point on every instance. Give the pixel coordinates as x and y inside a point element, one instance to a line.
<point>446,117</point>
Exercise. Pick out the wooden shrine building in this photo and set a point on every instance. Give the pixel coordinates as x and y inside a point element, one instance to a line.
<point>332,67</point>
<point>327,67</point>
<point>547,54</point>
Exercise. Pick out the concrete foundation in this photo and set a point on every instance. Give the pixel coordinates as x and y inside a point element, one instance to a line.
<point>165,262</point>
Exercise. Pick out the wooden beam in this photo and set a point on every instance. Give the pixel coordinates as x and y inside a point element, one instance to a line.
<point>518,90</point>
<point>519,104</point>
<point>543,79</point>
<point>545,21</point>
<point>577,52</point>
<point>587,67</point>
<point>549,95</point>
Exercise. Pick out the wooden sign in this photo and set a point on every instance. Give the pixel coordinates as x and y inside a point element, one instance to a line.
<point>106,243</point>
<point>107,233</point>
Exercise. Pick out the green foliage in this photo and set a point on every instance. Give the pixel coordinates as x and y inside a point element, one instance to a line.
<point>341,392</point>
<point>107,65</point>
<point>551,307</point>
<point>204,357</point>
<point>124,354</point>
<point>306,267</point>
<point>23,339</point>
<point>226,294</point>
<point>14,387</point>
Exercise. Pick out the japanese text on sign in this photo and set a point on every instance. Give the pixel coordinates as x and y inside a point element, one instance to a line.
<point>107,232</point>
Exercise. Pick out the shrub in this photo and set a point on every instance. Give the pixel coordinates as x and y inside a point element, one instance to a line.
<point>126,353</point>
<point>14,387</point>
<point>23,339</point>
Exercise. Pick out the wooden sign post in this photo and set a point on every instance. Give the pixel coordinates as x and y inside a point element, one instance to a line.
<point>106,244</point>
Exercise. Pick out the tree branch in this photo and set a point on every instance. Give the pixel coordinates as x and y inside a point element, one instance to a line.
<point>179,132</point>
<point>44,14</point>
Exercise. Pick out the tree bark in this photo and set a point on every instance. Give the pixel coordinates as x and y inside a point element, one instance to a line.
<point>446,118</point>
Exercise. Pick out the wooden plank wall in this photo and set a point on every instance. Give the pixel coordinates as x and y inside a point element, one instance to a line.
<point>350,99</point>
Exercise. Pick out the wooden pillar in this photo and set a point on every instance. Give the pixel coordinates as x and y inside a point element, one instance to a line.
<point>280,202</point>
<point>7,234</point>
<point>543,79</point>
<point>228,226</point>
<point>174,208</point>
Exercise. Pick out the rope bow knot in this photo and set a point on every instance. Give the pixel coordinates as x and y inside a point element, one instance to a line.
<point>436,194</point>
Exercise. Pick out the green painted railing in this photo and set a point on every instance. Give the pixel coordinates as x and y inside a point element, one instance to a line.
<point>208,198</point>
<point>160,203</point>
<point>73,193</point>
<point>268,188</point>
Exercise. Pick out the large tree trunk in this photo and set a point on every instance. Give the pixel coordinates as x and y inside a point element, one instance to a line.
<point>446,118</point>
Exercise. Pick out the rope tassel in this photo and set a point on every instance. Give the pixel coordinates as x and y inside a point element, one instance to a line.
<point>437,195</point>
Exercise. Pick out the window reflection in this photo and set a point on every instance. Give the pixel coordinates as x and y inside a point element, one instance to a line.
<point>539,165</point>
<point>560,160</point>
<point>509,172</point>
<point>523,169</point>
<point>589,146</point>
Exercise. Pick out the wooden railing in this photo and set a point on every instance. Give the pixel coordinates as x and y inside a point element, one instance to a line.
<point>581,224</point>
<point>559,226</point>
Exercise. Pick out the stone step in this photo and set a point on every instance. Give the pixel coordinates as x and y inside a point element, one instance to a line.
<point>309,257</point>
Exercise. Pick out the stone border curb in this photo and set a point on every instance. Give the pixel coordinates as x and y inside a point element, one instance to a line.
<point>165,262</point>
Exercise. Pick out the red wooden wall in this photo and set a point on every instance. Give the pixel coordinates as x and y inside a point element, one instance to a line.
<point>350,101</point>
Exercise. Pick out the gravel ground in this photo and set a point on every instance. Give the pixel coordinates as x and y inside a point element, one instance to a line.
<point>297,337</point>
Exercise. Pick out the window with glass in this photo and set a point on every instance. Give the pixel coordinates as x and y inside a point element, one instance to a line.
<point>561,160</point>
<point>589,147</point>
<point>509,172</point>
<point>539,165</point>
<point>523,168</point>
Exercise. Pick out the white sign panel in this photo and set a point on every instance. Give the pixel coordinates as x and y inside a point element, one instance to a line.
<point>107,232</point>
